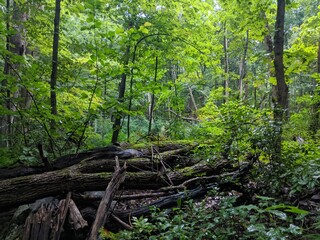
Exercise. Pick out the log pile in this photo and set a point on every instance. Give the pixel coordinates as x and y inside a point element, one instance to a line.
<point>68,199</point>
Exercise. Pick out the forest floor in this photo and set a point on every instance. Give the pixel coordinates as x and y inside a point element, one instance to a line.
<point>76,195</point>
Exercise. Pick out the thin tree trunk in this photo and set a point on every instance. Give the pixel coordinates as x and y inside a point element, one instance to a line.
<point>5,119</point>
<point>122,89</point>
<point>226,64</point>
<point>282,88</point>
<point>315,120</point>
<point>281,97</point>
<point>152,98</point>
<point>131,90</point>
<point>243,67</point>
<point>55,49</point>
<point>15,44</point>
<point>195,107</point>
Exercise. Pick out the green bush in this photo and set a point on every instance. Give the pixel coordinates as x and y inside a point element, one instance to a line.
<point>266,220</point>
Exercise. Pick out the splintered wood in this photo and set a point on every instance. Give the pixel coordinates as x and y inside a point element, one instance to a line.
<point>104,206</point>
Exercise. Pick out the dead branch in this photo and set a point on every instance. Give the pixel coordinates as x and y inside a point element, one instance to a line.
<point>102,212</point>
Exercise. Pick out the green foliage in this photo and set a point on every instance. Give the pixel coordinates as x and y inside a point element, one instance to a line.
<point>266,220</point>
<point>236,129</point>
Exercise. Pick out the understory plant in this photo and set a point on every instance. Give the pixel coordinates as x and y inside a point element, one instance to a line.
<point>218,217</point>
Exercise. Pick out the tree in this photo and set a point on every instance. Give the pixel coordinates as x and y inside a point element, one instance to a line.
<point>16,47</point>
<point>55,50</point>
<point>281,97</point>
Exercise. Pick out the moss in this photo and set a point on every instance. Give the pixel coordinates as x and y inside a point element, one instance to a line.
<point>163,143</point>
<point>187,171</point>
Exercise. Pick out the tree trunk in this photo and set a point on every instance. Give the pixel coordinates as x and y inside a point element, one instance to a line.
<point>151,106</point>
<point>243,68</point>
<point>122,88</point>
<point>5,119</point>
<point>281,101</point>
<point>55,50</point>
<point>281,96</point>
<point>15,44</point>
<point>226,65</point>
<point>315,120</point>
<point>193,101</point>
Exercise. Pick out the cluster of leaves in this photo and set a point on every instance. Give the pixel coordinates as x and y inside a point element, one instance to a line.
<point>265,220</point>
<point>236,129</point>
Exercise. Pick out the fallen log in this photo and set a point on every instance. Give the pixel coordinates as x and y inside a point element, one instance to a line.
<point>89,174</point>
<point>103,158</point>
<point>16,191</point>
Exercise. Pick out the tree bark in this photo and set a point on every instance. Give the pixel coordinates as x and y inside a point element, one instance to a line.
<point>55,50</point>
<point>243,67</point>
<point>281,96</point>
<point>315,120</point>
<point>91,175</point>
<point>193,101</point>
<point>16,44</point>
<point>281,100</point>
<point>122,88</point>
<point>226,64</point>
<point>151,104</point>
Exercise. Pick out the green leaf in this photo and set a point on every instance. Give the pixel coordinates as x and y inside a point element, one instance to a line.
<point>296,210</point>
<point>119,30</point>
<point>279,214</point>
<point>143,30</point>
<point>147,24</point>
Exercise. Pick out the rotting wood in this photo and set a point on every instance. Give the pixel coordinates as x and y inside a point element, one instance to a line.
<point>89,174</point>
<point>44,224</point>
<point>75,218</point>
<point>92,174</point>
<point>50,183</point>
<point>37,225</point>
<point>62,213</point>
<point>47,184</point>
<point>102,159</point>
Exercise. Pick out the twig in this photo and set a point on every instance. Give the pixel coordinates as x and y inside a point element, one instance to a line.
<point>125,225</point>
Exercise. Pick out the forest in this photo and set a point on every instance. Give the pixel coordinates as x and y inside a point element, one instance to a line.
<point>159,119</point>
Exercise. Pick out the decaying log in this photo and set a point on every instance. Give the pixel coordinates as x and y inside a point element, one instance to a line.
<point>44,223</point>
<point>26,189</point>
<point>159,174</point>
<point>47,218</point>
<point>103,209</point>
<point>51,183</point>
<point>61,217</point>
<point>108,152</point>
<point>102,159</point>
<point>75,218</point>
